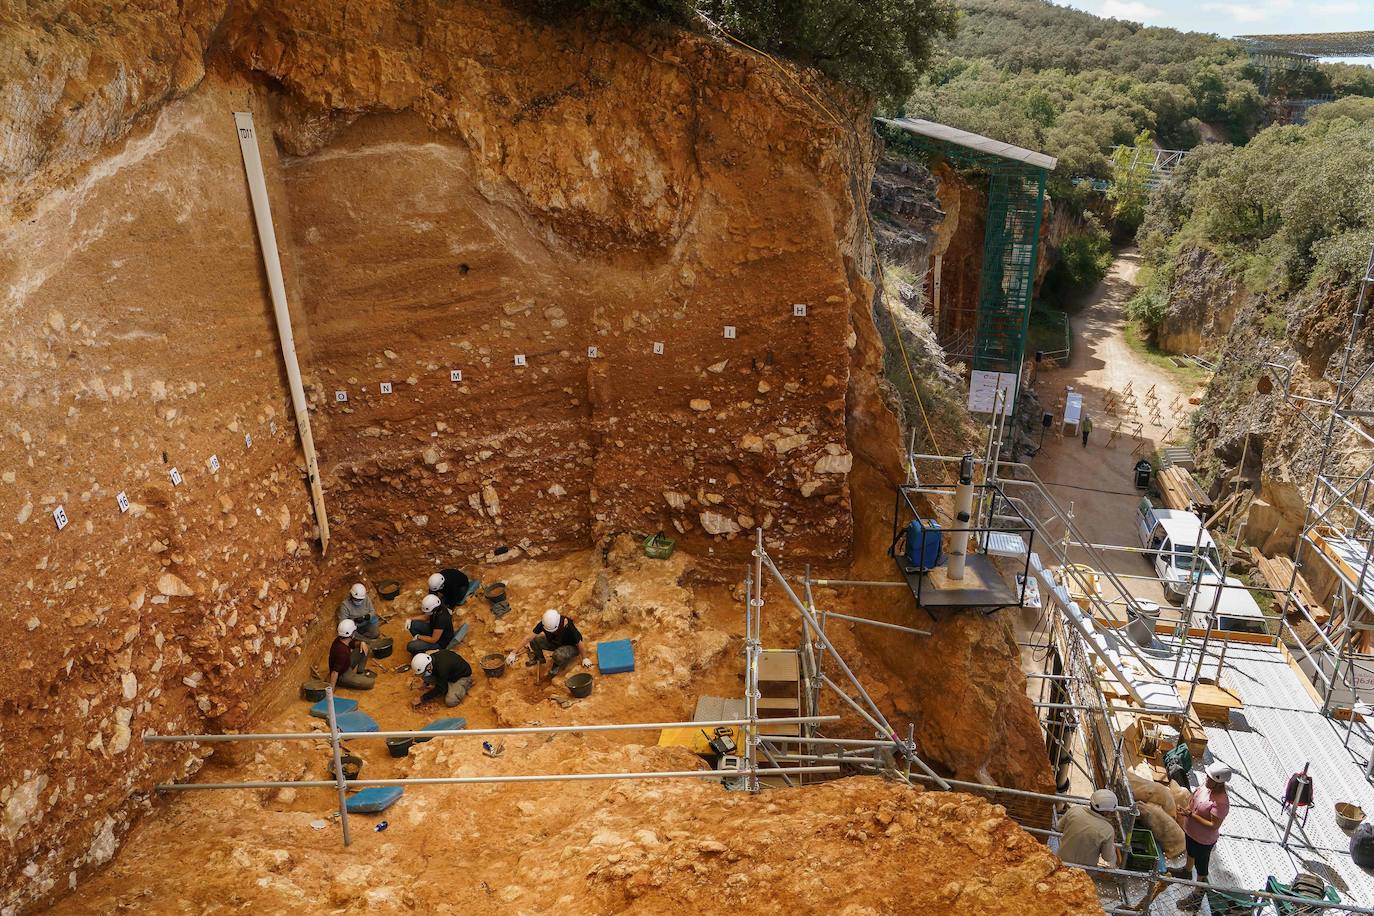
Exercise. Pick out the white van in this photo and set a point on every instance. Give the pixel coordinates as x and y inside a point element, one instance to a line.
<point>1237,610</point>
<point>1166,532</point>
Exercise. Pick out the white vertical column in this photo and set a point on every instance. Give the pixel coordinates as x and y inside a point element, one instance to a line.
<point>267,239</point>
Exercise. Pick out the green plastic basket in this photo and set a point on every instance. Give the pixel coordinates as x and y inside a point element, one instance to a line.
<point>658,547</point>
<point>1144,855</point>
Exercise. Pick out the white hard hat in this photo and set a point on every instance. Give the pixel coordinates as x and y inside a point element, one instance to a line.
<point>551,619</point>
<point>357,592</point>
<point>428,603</point>
<point>1104,801</point>
<point>1219,772</point>
<point>436,582</point>
<point>420,663</point>
<point>347,628</point>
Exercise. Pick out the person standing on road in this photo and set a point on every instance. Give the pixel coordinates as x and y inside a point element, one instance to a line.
<point>1086,426</point>
<point>1202,824</point>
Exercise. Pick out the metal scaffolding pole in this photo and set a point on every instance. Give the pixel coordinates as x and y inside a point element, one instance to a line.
<point>486,780</point>
<point>478,732</point>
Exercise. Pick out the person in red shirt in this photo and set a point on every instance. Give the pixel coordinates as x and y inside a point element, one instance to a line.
<point>348,660</point>
<point>1202,824</point>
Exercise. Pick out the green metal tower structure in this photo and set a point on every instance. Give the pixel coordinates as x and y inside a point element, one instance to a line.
<point>1011,241</point>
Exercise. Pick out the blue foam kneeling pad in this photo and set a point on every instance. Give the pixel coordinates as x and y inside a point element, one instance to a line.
<point>615,657</point>
<point>356,721</point>
<point>460,635</point>
<point>451,723</point>
<point>341,705</point>
<point>374,800</point>
<point>473,586</point>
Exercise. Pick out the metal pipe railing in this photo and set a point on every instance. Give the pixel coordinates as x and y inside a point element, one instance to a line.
<point>480,732</point>
<point>486,780</point>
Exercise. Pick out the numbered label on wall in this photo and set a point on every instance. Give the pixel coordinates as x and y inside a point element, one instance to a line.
<point>455,375</point>
<point>520,359</point>
<point>122,499</point>
<point>658,348</point>
<point>59,515</point>
<point>799,310</point>
<point>176,477</point>
<point>341,396</point>
<point>214,464</point>
<point>386,388</point>
<point>247,440</point>
<point>593,353</point>
<point>729,332</point>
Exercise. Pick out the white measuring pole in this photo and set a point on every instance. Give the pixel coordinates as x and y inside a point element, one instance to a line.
<point>267,238</point>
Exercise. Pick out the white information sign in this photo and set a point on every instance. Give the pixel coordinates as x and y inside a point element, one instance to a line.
<point>1073,407</point>
<point>983,388</point>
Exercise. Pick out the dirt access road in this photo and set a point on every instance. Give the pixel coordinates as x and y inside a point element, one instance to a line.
<point>1147,402</point>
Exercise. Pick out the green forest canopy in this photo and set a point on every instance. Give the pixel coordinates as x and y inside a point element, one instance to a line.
<point>1074,84</point>
<point>1293,207</point>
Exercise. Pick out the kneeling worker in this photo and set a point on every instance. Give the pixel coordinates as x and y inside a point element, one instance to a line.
<point>557,634</point>
<point>449,672</point>
<point>451,585</point>
<point>1089,834</point>
<point>433,629</point>
<point>358,608</point>
<point>348,660</point>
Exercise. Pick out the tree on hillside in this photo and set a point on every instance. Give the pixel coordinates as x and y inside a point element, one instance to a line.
<point>877,46</point>
<point>1131,167</point>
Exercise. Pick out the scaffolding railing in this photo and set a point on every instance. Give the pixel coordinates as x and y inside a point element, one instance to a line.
<point>1337,533</point>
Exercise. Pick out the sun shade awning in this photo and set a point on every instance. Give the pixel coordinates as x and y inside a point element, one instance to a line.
<point>972,141</point>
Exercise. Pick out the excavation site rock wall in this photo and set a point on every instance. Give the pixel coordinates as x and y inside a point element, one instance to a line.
<point>642,251</point>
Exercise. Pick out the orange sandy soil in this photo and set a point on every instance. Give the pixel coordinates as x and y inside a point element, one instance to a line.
<point>859,845</point>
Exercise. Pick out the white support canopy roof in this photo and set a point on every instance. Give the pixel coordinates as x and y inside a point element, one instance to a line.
<point>973,141</point>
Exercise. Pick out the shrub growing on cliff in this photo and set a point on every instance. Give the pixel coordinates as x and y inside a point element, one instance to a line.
<point>878,46</point>
<point>1084,257</point>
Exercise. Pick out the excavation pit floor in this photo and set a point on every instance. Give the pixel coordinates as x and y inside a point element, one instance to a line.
<point>577,847</point>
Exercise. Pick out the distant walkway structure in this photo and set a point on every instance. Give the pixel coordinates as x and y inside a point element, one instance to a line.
<point>1011,242</point>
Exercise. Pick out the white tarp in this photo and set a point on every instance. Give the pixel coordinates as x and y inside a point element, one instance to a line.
<point>983,387</point>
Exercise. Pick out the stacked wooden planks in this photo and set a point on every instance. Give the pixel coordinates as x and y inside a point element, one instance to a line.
<point>1278,573</point>
<point>1181,491</point>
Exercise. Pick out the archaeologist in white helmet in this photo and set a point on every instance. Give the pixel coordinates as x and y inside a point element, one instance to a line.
<point>348,660</point>
<point>357,607</point>
<point>432,627</point>
<point>1089,835</point>
<point>451,585</point>
<point>558,635</point>
<point>446,672</point>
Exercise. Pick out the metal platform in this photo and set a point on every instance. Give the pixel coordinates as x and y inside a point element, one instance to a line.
<point>982,585</point>
<point>1280,729</point>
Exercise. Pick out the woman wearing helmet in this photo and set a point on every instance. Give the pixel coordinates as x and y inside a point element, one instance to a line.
<point>557,634</point>
<point>1202,823</point>
<point>348,660</point>
<point>432,627</point>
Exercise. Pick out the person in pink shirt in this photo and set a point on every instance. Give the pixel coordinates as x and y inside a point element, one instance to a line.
<point>1202,824</point>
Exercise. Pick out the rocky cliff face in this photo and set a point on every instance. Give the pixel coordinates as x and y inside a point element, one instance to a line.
<point>1204,297</point>
<point>607,234</point>
<point>1210,311</point>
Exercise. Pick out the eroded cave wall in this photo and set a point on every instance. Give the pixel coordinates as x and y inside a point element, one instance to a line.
<point>509,188</point>
<point>138,340</point>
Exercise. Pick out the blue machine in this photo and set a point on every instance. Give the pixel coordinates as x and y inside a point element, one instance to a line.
<point>924,548</point>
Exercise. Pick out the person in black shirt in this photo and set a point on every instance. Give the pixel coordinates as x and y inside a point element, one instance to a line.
<point>451,585</point>
<point>432,629</point>
<point>556,634</point>
<point>449,675</point>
